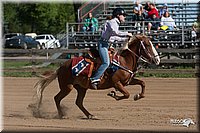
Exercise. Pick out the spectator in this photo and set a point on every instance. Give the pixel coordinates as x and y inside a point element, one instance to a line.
<point>153,10</point>
<point>138,15</point>
<point>138,11</point>
<point>91,23</point>
<point>147,6</point>
<point>195,29</point>
<point>146,9</point>
<point>154,24</point>
<point>167,22</point>
<point>163,9</point>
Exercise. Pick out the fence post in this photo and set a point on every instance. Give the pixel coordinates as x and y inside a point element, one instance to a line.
<point>197,60</point>
<point>143,31</point>
<point>104,6</point>
<point>33,61</point>
<point>67,34</point>
<point>78,15</point>
<point>183,34</point>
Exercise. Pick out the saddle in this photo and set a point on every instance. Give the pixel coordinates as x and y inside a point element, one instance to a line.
<point>85,65</point>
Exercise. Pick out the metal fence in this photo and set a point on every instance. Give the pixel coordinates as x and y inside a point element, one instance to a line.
<point>180,37</point>
<point>91,6</point>
<point>37,59</point>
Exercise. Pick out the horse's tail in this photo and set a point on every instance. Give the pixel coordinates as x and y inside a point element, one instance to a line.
<point>45,80</point>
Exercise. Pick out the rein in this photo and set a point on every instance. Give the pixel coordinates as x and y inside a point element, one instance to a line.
<point>139,57</point>
<point>146,51</point>
<point>128,70</point>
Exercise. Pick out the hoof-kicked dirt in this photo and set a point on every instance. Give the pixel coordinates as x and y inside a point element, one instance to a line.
<point>167,103</point>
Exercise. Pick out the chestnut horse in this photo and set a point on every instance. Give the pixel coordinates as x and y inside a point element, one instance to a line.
<point>138,47</point>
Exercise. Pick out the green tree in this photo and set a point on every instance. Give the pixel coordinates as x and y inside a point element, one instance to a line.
<point>9,13</point>
<point>38,17</point>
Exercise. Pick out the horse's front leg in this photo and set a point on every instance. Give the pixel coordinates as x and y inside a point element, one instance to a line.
<point>142,84</point>
<point>118,86</point>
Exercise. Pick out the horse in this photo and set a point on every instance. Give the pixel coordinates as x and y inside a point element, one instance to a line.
<point>138,47</point>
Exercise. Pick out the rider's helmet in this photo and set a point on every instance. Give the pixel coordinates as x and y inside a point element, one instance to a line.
<point>118,11</point>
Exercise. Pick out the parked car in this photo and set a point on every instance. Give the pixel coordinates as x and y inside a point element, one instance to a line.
<point>48,41</point>
<point>22,41</point>
<point>33,35</point>
<point>8,36</point>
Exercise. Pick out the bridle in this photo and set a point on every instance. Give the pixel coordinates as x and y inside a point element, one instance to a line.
<point>140,56</point>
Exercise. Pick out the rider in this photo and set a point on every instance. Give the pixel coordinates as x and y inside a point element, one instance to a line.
<point>111,28</point>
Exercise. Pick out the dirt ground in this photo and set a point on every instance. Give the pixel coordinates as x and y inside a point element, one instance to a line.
<point>167,100</point>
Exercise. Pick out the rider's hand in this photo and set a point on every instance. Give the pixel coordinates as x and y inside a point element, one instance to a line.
<point>130,34</point>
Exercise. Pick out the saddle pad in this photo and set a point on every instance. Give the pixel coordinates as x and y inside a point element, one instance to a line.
<point>80,66</point>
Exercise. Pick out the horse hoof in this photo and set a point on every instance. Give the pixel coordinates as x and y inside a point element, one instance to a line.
<point>112,94</point>
<point>92,117</point>
<point>59,117</point>
<point>136,97</point>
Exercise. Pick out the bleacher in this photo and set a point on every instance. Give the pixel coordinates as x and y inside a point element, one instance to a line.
<point>184,15</point>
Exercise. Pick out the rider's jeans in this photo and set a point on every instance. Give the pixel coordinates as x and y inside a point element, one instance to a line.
<point>103,52</point>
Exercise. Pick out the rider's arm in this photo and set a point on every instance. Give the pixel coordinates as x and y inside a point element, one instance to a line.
<point>118,39</point>
<point>115,30</point>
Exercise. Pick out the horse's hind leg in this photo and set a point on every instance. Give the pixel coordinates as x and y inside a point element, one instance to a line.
<point>142,84</point>
<point>64,84</point>
<point>79,101</point>
<point>63,92</point>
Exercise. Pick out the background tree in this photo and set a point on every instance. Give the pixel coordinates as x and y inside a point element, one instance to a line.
<point>38,17</point>
<point>10,19</point>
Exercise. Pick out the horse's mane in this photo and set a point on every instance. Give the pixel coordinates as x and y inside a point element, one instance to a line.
<point>131,41</point>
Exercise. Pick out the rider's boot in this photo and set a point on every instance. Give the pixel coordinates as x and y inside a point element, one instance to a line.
<point>94,84</point>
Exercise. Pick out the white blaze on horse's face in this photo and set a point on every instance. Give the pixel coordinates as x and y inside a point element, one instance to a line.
<point>155,53</point>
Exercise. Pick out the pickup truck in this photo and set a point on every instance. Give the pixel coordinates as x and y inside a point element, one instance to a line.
<point>47,41</point>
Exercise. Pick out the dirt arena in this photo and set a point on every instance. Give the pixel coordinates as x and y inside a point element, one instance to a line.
<point>167,100</point>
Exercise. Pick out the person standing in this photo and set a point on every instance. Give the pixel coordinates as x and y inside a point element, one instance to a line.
<point>111,28</point>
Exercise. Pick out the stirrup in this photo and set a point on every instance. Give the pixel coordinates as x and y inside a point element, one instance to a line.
<point>94,85</point>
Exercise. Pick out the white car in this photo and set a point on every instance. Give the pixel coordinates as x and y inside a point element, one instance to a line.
<point>47,41</point>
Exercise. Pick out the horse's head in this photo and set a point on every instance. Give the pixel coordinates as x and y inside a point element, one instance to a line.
<point>142,47</point>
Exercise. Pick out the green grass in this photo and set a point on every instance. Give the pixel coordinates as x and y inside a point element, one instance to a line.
<point>16,69</point>
<point>18,74</point>
<point>168,75</point>
<point>12,64</point>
